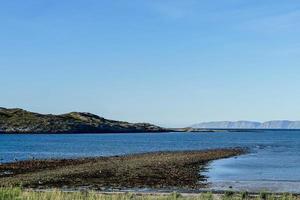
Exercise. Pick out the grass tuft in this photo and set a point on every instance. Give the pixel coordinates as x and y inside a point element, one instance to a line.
<point>19,194</point>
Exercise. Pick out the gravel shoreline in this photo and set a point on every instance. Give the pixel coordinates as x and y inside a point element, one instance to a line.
<point>157,170</point>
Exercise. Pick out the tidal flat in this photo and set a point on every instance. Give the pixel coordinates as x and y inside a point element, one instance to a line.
<point>157,170</point>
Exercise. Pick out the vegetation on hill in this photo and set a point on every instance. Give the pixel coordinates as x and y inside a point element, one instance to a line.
<point>22,121</point>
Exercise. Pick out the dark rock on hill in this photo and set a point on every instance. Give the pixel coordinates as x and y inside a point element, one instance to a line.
<point>22,121</point>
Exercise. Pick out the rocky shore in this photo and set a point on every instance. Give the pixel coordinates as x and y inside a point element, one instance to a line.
<point>150,170</point>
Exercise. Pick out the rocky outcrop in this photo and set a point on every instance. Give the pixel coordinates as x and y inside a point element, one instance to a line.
<point>22,121</point>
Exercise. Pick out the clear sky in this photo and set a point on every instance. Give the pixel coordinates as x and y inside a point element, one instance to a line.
<point>169,62</point>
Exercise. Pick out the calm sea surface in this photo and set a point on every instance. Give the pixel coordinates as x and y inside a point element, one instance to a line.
<point>272,164</point>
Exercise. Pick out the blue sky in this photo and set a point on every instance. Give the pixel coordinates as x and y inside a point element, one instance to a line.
<point>169,62</point>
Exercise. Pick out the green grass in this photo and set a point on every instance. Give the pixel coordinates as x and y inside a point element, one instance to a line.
<point>19,194</point>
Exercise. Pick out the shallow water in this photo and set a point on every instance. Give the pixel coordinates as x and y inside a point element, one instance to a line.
<point>272,164</point>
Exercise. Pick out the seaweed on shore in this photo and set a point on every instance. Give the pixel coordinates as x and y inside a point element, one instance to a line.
<point>148,170</point>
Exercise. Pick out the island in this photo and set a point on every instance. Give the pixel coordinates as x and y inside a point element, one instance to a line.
<point>21,121</point>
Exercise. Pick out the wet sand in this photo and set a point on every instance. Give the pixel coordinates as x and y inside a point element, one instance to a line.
<point>158,170</point>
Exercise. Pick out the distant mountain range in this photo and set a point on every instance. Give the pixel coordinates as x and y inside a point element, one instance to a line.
<point>276,124</point>
<point>22,121</point>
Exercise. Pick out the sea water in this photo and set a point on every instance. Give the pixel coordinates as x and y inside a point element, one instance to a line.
<point>273,161</point>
